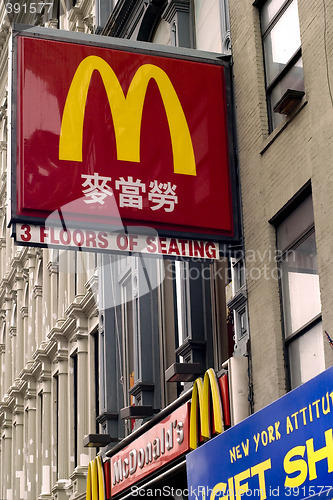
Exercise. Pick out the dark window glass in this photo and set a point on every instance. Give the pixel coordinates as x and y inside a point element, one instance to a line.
<point>301,294</point>
<point>282,53</point>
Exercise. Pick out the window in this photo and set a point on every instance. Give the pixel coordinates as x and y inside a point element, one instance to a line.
<point>300,294</point>
<point>181,297</point>
<point>208,25</point>
<point>282,54</point>
<point>129,340</point>
<point>238,304</point>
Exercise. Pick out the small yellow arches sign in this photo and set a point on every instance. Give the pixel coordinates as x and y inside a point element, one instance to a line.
<point>98,484</point>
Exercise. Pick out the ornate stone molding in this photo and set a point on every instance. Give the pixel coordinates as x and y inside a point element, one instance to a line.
<point>76,17</point>
<point>52,267</point>
<point>24,311</point>
<point>38,291</point>
<point>61,488</point>
<point>174,7</point>
<point>79,479</point>
<point>53,23</point>
<point>12,331</point>
<point>43,365</point>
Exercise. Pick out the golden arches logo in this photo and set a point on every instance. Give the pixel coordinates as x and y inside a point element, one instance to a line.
<point>126,113</point>
<point>95,480</point>
<point>200,406</point>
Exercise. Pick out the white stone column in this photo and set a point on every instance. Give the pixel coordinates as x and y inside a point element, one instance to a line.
<point>7,453</point>
<point>82,275</point>
<point>62,283</point>
<point>78,477</point>
<point>32,304</point>
<point>12,332</point>
<point>2,365</point>
<point>18,449</point>
<point>46,442</point>
<point>46,300</point>
<point>63,421</point>
<point>81,336</point>
<point>71,275</point>
<point>31,444</point>
<point>2,255</point>
<point>24,315</point>
<point>82,392</point>
<point>61,488</point>
<point>53,273</point>
<point>19,351</point>
<point>38,296</point>
<point>8,345</point>
<point>8,252</point>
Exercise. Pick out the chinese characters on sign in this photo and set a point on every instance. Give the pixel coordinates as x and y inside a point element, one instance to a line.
<point>96,188</point>
<point>161,195</point>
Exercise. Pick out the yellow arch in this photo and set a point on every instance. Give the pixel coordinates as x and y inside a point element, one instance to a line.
<point>210,383</point>
<point>95,480</point>
<point>201,401</point>
<point>101,481</point>
<point>126,113</point>
<point>196,404</point>
<point>89,486</point>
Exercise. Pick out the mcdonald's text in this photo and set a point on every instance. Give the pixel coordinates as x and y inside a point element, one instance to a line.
<point>166,441</point>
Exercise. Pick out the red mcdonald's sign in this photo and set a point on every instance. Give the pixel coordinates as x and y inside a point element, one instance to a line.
<point>121,136</point>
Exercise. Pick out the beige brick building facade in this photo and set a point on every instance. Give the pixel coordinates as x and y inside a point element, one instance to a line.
<point>274,167</point>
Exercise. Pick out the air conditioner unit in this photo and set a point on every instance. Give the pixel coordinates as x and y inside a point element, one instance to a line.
<point>239,387</point>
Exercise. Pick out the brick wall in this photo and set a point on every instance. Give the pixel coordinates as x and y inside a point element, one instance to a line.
<point>273,168</point>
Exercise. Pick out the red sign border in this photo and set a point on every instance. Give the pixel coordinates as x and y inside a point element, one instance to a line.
<point>141,48</point>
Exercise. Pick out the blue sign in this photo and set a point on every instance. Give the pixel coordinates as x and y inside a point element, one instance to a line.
<point>283,451</point>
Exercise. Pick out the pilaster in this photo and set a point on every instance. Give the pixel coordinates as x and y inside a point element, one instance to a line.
<point>32,303</point>
<point>6,451</point>
<point>19,351</point>
<point>53,270</point>
<point>63,421</point>
<point>30,444</point>
<point>81,337</point>
<point>18,445</point>
<point>60,489</point>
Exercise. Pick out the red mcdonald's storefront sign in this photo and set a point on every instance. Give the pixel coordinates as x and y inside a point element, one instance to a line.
<point>121,136</point>
<point>183,429</point>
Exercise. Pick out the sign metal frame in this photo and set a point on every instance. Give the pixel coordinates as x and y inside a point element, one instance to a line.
<point>136,48</point>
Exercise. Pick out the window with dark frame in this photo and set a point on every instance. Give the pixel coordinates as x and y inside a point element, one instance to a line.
<point>129,337</point>
<point>282,57</point>
<point>238,304</point>
<point>182,303</point>
<point>299,284</point>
